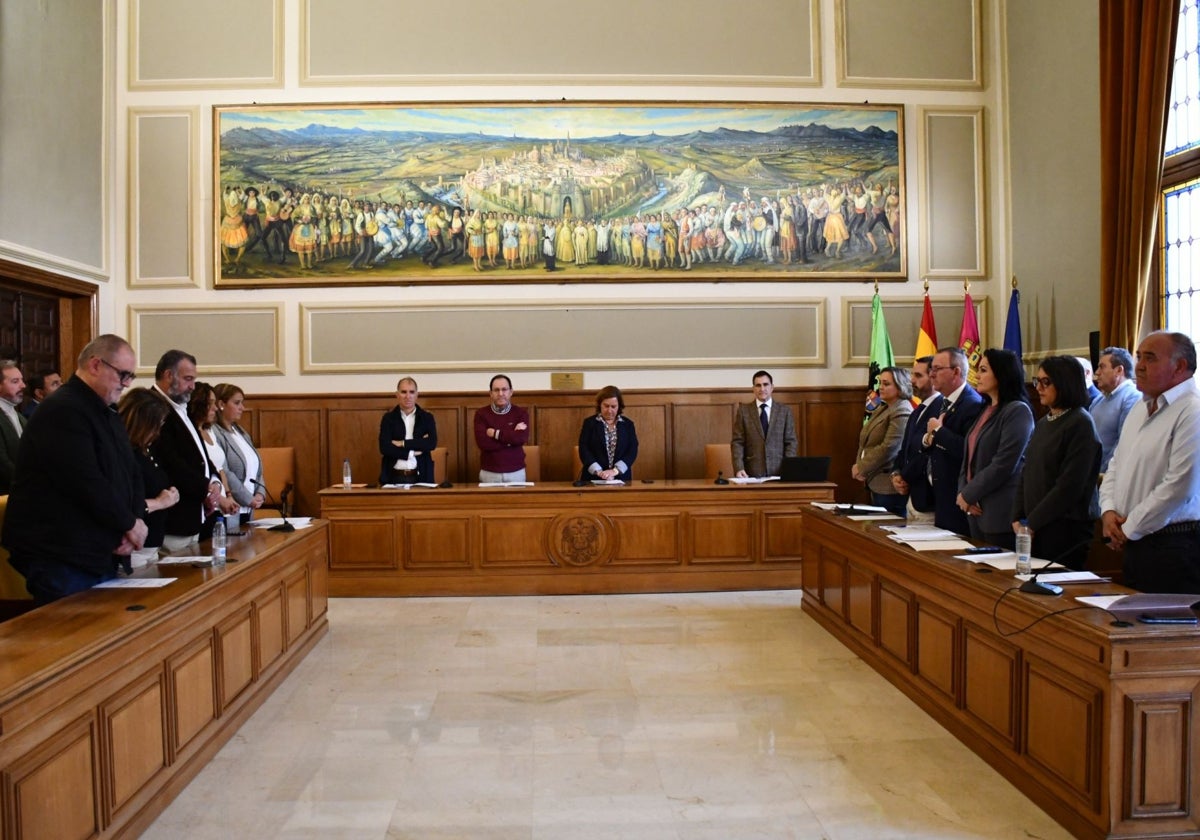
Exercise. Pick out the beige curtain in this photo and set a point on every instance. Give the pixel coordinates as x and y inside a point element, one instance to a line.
<point>1137,50</point>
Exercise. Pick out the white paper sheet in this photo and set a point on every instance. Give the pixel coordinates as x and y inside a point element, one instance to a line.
<point>135,583</point>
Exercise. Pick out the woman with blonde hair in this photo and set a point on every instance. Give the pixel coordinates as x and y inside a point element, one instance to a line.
<point>243,466</point>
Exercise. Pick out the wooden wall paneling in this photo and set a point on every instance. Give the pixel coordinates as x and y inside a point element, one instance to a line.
<point>1158,721</point>
<point>192,693</point>
<point>270,626</point>
<point>990,677</point>
<point>558,434</point>
<point>831,428</point>
<point>653,446</point>
<point>53,792</point>
<point>938,642</point>
<point>235,655</point>
<point>296,586</point>
<point>673,429</point>
<point>897,609</point>
<point>353,434</point>
<point>301,428</point>
<point>693,427</point>
<point>133,738</point>
<point>1063,727</point>
<point>860,605</point>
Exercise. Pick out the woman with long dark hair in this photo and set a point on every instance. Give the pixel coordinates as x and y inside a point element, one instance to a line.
<point>995,449</point>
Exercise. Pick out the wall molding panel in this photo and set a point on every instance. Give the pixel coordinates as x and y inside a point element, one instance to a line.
<point>226,340</point>
<point>253,59</point>
<point>162,212</point>
<point>779,46</point>
<point>868,54</point>
<point>360,338</point>
<point>951,163</point>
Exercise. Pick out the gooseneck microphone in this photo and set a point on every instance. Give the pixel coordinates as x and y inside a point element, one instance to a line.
<point>284,526</point>
<point>1033,586</point>
<point>721,479</point>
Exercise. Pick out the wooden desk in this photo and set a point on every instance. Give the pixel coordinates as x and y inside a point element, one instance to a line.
<point>112,700</point>
<point>554,538</point>
<point>1093,722</point>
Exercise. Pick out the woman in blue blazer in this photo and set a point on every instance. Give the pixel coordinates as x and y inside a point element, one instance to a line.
<point>994,449</point>
<point>608,443</point>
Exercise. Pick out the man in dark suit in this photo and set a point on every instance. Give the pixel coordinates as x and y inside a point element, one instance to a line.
<point>181,453</point>
<point>764,432</point>
<point>12,422</point>
<point>407,438</point>
<point>77,505</point>
<point>945,433</point>
<point>910,474</point>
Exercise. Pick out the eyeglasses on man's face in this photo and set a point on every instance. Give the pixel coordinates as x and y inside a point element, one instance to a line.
<point>126,376</point>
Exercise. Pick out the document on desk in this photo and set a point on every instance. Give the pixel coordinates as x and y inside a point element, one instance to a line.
<point>408,486</point>
<point>506,484</point>
<point>913,533</point>
<point>842,507</point>
<point>872,517</point>
<point>298,522</point>
<point>607,481</point>
<point>936,545</point>
<point>752,479</point>
<point>135,583</point>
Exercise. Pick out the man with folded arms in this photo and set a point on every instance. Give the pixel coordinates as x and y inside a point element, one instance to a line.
<point>407,437</point>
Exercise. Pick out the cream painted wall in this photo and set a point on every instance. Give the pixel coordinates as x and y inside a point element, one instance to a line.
<point>1053,151</point>
<point>284,28</point>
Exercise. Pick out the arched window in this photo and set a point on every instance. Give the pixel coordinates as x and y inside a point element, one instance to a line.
<point>1179,224</point>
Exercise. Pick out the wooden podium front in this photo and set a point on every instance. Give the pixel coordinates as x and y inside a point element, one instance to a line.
<point>556,538</point>
<point>1092,721</point>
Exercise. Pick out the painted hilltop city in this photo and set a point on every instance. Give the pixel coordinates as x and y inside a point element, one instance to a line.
<point>551,193</point>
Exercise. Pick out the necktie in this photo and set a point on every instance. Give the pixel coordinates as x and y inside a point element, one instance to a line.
<point>762,417</point>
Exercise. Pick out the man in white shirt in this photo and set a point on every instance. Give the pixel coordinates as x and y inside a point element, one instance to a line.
<point>12,423</point>
<point>1150,496</point>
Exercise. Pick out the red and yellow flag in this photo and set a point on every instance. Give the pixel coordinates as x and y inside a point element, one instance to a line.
<point>927,338</point>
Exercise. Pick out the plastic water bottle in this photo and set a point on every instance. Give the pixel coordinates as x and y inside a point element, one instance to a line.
<point>346,474</point>
<point>218,542</point>
<point>1024,549</point>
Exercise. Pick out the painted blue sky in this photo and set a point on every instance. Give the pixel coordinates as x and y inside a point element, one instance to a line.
<point>548,121</point>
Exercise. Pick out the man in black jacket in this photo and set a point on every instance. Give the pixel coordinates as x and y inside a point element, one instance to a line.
<point>180,451</point>
<point>77,504</point>
<point>407,438</point>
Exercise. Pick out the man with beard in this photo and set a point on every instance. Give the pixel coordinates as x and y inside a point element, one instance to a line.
<point>180,451</point>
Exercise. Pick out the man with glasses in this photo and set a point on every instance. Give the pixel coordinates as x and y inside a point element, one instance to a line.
<point>180,451</point>
<point>910,473</point>
<point>945,435</point>
<point>77,507</point>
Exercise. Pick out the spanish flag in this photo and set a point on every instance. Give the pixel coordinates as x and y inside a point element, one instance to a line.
<point>927,338</point>
<point>968,340</point>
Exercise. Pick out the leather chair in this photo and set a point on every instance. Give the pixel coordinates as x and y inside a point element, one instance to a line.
<point>14,597</point>
<point>440,457</point>
<point>533,464</point>
<point>279,476</point>
<point>717,458</point>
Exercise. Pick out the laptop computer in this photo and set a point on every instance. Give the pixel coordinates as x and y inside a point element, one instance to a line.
<point>815,468</point>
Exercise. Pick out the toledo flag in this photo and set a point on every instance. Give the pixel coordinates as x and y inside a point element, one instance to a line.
<point>968,340</point>
<point>881,344</point>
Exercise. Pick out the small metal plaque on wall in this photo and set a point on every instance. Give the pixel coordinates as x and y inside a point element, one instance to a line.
<point>569,381</point>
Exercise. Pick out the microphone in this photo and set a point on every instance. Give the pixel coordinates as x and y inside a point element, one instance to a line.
<point>1035,587</point>
<point>284,526</point>
<point>721,479</point>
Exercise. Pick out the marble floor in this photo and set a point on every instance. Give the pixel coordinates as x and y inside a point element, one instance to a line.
<point>715,716</point>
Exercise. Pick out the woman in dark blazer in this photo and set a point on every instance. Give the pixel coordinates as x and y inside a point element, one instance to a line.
<point>1057,492</point>
<point>608,443</point>
<point>995,449</point>
<point>143,412</point>
<point>880,439</point>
